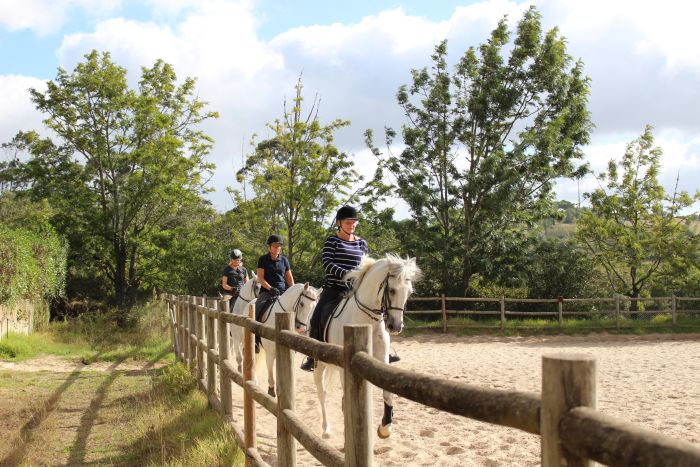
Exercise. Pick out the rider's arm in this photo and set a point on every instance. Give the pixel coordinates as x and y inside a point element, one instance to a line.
<point>261,278</point>
<point>328,258</point>
<point>288,277</point>
<point>224,283</point>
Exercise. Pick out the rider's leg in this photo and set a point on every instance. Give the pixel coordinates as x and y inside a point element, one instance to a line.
<point>260,306</point>
<point>318,319</point>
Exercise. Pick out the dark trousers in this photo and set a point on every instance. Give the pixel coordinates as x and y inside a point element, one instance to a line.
<point>261,304</point>
<point>231,302</point>
<point>326,303</point>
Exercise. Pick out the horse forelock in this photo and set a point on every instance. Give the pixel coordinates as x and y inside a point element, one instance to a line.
<point>403,269</point>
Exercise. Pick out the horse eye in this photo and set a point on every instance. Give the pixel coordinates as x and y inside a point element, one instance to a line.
<point>392,291</point>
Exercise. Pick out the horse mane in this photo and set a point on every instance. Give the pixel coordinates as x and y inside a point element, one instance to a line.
<point>355,276</point>
<point>403,269</point>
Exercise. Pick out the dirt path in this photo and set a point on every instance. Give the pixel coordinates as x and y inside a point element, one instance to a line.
<point>55,411</point>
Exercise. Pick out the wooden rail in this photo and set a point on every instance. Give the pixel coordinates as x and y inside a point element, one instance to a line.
<point>572,432</point>
<point>674,308</point>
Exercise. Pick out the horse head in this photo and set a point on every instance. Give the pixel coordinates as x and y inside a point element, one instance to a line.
<point>301,300</point>
<point>392,278</point>
<point>250,289</point>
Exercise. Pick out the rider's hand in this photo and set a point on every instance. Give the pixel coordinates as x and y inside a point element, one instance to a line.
<point>274,291</point>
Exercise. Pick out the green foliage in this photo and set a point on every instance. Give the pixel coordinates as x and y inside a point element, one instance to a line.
<point>483,147</point>
<point>123,161</point>
<point>561,268</point>
<point>633,228</point>
<point>32,258</point>
<point>177,380</point>
<point>298,178</point>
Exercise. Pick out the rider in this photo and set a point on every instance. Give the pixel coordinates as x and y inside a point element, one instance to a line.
<point>274,276</point>
<point>234,276</point>
<point>342,253</point>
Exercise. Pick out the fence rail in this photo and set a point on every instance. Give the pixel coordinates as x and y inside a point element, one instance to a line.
<point>672,306</point>
<point>563,415</point>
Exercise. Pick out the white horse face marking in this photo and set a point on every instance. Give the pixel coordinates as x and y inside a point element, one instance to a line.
<point>398,292</point>
<point>306,306</point>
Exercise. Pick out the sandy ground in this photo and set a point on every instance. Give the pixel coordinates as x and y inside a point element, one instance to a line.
<point>653,381</point>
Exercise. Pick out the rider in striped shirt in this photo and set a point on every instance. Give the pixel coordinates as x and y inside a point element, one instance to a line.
<point>341,254</point>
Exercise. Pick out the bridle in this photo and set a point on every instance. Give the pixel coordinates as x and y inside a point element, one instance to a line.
<point>255,295</point>
<point>295,307</point>
<point>378,314</point>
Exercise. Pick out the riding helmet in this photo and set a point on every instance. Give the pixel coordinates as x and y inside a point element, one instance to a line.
<point>235,254</point>
<point>346,212</point>
<point>274,238</point>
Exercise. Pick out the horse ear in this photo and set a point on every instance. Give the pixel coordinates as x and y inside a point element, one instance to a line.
<point>306,285</point>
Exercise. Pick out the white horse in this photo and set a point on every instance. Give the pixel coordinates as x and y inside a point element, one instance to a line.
<point>299,299</point>
<point>380,289</point>
<point>247,295</point>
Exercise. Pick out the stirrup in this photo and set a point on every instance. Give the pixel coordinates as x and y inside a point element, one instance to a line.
<point>308,364</point>
<point>393,358</point>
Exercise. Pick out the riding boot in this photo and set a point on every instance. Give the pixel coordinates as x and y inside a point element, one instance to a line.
<point>258,342</point>
<point>393,358</point>
<point>308,364</point>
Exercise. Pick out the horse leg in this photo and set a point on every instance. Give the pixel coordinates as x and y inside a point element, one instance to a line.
<point>236,341</point>
<point>270,358</point>
<point>322,392</point>
<point>381,352</point>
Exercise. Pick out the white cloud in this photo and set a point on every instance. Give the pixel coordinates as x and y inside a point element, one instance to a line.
<point>47,16</point>
<point>17,112</point>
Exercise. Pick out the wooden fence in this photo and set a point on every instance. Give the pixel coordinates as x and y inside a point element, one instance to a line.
<point>572,432</point>
<point>618,308</point>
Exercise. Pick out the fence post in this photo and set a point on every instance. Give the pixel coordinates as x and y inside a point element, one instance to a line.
<point>568,381</point>
<point>248,406</point>
<point>617,311</point>
<point>503,313</point>
<point>224,347</point>
<point>561,311</point>
<point>211,345</point>
<point>286,446</point>
<point>174,329</point>
<point>444,313</point>
<point>673,309</point>
<point>191,332</point>
<point>357,398</point>
<point>199,335</point>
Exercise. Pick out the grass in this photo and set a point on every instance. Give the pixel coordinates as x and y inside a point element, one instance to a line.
<point>136,417</point>
<point>92,338</point>
<point>658,323</point>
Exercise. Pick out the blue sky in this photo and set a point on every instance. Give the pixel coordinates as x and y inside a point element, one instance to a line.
<point>640,55</point>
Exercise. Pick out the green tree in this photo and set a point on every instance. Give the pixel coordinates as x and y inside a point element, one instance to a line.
<point>484,144</point>
<point>298,177</point>
<point>633,228</point>
<point>123,160</point>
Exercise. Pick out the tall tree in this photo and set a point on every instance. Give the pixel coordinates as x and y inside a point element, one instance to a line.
<point>484,144</point>
<point>132,156</point>
<point>298,178</point>
<point>633,228</point>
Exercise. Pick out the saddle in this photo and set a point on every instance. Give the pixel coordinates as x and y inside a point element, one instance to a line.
<point>330,311</point>
<point>267,307</point>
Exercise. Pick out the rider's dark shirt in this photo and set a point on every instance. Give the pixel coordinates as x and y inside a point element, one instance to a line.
<point>274,270</point>
<point>234,277</point>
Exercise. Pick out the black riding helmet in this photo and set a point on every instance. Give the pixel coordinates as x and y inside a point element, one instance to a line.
<point>235,254</point>
<point>274,238</point>
<point>346,212</point>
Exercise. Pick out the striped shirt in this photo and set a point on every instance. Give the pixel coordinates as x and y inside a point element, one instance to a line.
<point>341,256</point>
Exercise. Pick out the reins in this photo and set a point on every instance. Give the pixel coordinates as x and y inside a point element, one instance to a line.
<point>378,314</point>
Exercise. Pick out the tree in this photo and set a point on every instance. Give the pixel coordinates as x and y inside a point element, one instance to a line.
<point>124,159</point>
<point>484,144</point>
<point>633,228</point>
<point>298,178</point>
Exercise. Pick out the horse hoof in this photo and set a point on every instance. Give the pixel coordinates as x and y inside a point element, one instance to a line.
<point>384,431</point>
<point>271,392</point>
<point>326,435</point>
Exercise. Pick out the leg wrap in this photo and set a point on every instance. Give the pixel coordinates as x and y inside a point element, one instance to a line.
<point>388,414</point>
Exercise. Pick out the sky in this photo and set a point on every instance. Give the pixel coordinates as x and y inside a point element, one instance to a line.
<point>641,56</point>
